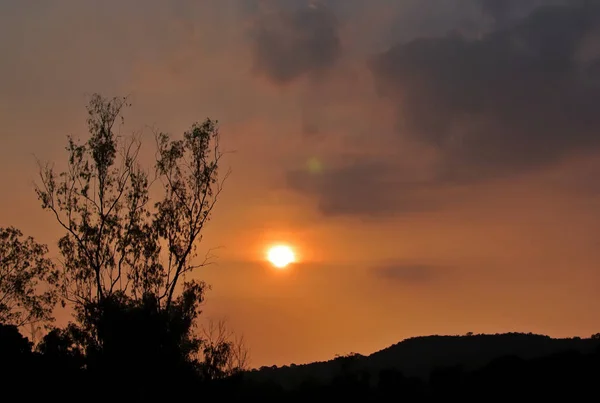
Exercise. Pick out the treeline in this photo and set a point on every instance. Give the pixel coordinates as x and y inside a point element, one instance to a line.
<point>568,376</point>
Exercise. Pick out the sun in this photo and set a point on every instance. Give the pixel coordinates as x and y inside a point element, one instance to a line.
<point>281,256</point>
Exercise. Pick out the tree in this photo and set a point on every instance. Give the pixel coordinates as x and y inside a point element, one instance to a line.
<point>224,353</point>
<point>28,280</point>
<point>125,259</point>
<point>16,362</point>
<point>116,241</point>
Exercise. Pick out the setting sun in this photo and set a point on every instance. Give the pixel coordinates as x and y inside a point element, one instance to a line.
<point>281,256</point>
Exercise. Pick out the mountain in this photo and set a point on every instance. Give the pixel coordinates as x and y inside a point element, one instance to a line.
<point>419,356</point>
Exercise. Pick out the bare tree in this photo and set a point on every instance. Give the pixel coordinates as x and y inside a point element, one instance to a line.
<point>116,241</point>
<point>28,280</point>
<point>225,354</point>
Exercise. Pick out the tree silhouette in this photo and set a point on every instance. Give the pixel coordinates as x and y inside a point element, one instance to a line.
<point>28,280</point>
<point>224,354</point>
<point>16,357</point>
<point>116,241</point>
<point>130,244</point>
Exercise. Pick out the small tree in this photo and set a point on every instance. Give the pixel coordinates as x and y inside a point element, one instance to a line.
<point>123,254</point>
<point>224,353</point>
<point>28,280</point>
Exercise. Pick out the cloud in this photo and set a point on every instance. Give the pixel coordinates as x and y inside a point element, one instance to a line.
<point>406,273</point>
<point>292,43</point>
<point>503,12</point>
<point>517,100</point>
<point>361,187</point>
<point>353,189</point>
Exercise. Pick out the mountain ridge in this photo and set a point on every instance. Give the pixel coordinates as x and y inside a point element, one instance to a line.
<point>419,356</point>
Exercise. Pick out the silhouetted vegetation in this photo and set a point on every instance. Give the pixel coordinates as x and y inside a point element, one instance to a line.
<point>557,368</point>
<point>24,268</point>
<point>125,273</point>
<point>126,265</point>
<point>132,370</point>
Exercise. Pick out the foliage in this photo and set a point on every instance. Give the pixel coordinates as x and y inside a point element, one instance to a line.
<point>13,343</point>
<point>60,345</point>
<point>28,280</point>
<point>129,331</point>
<point>116,241</point>
<point>129,244</point>
<point>224,355</point>
<point>126,254</point>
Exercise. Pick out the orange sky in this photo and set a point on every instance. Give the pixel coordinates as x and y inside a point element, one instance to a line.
<point>456,193</point>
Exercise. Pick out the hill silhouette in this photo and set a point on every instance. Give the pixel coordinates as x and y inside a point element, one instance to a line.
<point>420,356</point>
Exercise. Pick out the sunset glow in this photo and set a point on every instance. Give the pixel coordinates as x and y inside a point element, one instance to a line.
<point>387,169</point>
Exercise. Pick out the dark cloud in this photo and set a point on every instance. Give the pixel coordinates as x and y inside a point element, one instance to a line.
<point>503,12</point>
<point>361,187</point>
<point>500,10</point>
<point>519,99</point>
<point>406,273</point>
<point>291,43</point>
<point>515,100</point>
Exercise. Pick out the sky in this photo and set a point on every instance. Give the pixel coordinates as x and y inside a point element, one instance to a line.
<point>433,163</point>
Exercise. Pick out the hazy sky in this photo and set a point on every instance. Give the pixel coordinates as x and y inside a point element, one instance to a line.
<point>434,162</point>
